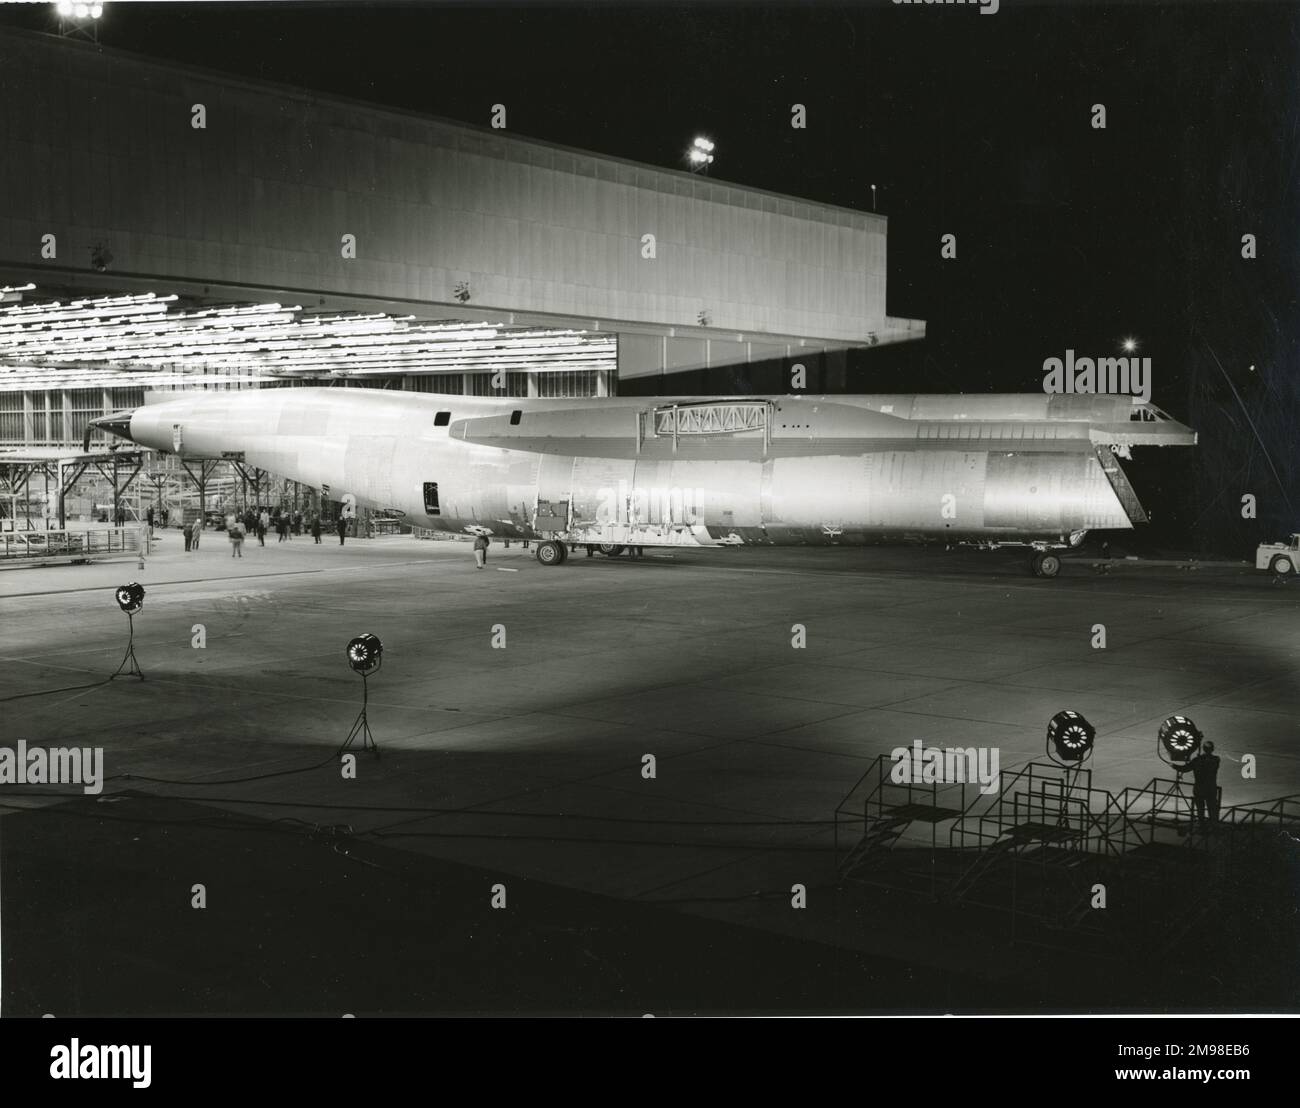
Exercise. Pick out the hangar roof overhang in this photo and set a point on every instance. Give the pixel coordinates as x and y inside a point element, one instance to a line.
<point>73,282</point>
<point>98,330</point>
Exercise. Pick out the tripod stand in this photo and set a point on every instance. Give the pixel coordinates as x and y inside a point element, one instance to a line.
<point>1070,779</point>
<point>361,728</point>
<point>133,670</point>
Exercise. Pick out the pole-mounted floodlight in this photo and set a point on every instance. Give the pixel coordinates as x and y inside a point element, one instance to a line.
<point>130,598</point>
<point>69,9</point>
<point>1177,740</point>
<point>79,17</point>
<point>700,155</point>
<point>1070,739</point>
<point>365,656</point>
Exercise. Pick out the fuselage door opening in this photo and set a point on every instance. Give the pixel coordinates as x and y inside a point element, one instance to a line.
<point>431,507</point>
<point>551,516</point>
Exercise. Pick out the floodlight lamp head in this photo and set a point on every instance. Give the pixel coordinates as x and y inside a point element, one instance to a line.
<point>1070,738</point>
<point>365,654</point>
<point>1180,738</point>
<point>130,598</point>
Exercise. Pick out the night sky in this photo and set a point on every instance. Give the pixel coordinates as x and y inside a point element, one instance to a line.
<point>969,124</point>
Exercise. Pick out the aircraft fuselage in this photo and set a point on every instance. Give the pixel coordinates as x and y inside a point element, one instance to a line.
<point>690,471</point>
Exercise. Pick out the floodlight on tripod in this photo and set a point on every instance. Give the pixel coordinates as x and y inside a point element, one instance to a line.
<point>1177,740</point>
<point>365,656</point>
<point>1070,739</point>
<point>130,598</point>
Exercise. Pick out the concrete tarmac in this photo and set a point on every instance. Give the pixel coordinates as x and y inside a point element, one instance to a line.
<point>517,705</point>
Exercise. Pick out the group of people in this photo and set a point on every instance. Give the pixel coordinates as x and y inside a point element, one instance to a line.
<point>285,523</point>
<point>258,522</point>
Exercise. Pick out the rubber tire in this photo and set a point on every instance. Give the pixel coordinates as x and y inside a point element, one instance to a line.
<point>549,553</point>
<point>610,549</point>
<point>1046,564</point>
<point>1282,566</point>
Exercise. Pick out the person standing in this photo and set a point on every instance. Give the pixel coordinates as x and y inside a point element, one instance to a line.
<point>315,529</point>
<point>342,529</point>
<point>263,522</point>
<point>196,530</point>
<point>480,551</point>
<point>188,531</point>
<point>236,539</point>
<point>1205,792</point>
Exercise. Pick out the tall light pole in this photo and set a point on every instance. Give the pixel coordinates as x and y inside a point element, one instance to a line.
<point>873,198</point>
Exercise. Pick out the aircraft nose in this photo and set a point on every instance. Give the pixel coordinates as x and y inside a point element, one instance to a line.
<point>118,423</point>
<point>1179,434</point>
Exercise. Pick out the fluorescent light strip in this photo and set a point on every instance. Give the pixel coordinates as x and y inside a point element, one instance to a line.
<point>145,337</point>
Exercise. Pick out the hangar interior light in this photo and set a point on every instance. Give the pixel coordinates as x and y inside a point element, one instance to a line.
<point>159,341</point>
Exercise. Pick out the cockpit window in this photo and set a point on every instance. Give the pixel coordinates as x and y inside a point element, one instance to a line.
<point>1147,413</point>
<point>442,419</point>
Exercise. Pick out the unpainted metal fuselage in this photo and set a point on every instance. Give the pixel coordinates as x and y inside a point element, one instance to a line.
<point>690,470</point>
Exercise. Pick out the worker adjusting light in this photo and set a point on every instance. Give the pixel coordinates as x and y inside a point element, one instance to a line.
<point>365,654</point>
<point>1070,738</point>
<point>1179,738</point>
<point>130,598</point>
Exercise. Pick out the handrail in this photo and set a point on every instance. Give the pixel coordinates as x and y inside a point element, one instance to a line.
<point>1048,792</point>
<point>882,795</point>
<point>71,542</point>
<point>1264,810</point>
<point>1098,821</point>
